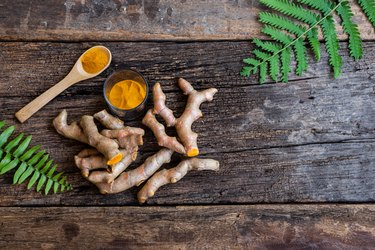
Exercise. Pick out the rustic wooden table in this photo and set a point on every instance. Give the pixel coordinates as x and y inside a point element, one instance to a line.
<point>297,160</point>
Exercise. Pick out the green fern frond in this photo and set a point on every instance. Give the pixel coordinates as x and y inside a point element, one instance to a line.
<point>251,61</point>
<point>262,72</point>
<point>321,5</point>
<point>329,32</point>
<point>368,7</point>
<point>275,68</point>
<point>277,35</point>
<point>267,46</point>
<point>15,154</point>
<point>246,71</point>
<point>299,47</point>
<point>287,35</point>
<point>332,45</point>
<point>355,43</point>
<point>261,55</point>
<point>300,53</point>
<point>285,63</point>
<point>291,9</point>
<point>312,37</point>
<point>281,23</point>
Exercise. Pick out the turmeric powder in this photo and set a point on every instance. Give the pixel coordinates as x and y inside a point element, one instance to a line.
<point>94,60</point>
<point>127,94</point>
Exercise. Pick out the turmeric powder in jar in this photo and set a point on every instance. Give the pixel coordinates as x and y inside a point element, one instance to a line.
<point>94,60</point>
<point>127,94</point>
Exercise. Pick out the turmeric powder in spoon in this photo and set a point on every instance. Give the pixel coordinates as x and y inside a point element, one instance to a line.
<point>127,94</point>
<point>94,60</point>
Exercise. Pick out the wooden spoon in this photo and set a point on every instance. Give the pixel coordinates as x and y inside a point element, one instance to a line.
<point>77,74</point>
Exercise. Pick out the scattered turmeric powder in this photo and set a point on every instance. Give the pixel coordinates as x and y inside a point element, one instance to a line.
<point>94,60</point>
<point>127,94</point>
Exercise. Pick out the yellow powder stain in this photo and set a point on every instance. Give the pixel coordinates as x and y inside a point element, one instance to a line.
<point>127,94</point>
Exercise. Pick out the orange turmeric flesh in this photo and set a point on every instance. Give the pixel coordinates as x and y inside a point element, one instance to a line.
<point>127,94</point>
<point>117,158</point>
<point>193,152</point>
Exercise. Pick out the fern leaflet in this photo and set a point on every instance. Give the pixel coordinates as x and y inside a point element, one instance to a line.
<point>320,5</point>
<point>281,23</point>
<point>300,52</point>
<point>368,7</point>
<point>292,10</point>
<point>285,62</point>
<point>332,45</point>
<point>355,43</point>
<point>267,46</point>
<point>312,37</point>
<point>274,68</point>
<point>262,72</point>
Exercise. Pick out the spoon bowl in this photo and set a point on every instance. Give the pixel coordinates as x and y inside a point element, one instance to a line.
<point>80,69</point>
<point>76,74</point>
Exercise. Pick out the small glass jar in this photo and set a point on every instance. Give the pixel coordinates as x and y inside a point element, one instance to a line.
<point>118,76</point>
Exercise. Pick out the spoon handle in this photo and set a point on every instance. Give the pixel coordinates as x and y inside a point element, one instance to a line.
<point>27,111</point>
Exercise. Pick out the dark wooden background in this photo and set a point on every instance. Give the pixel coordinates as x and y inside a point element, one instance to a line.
<point>297,159</point>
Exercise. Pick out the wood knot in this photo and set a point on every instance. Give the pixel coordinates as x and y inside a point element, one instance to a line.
<point>71,230</point>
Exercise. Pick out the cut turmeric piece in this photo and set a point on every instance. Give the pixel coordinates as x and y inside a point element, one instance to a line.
<point>117,158</point>
<point>193,152</point>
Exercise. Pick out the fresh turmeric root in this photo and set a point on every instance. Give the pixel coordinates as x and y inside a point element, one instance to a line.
<point>109,148</point>
<point>72,131</point>
<point>116,147</point>
<point>159,131</point>
<point>117,139</point>
<point>126,137</point>
<point>111,183</point>
<point>105,177</point>
<point>87,132</point>
<point>173,175</point>
<point>90,159</point>
<point>182,124</point>
<point>116,180</point>
<point>108,120</point>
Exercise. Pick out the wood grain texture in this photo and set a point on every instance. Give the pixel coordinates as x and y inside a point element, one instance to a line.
<point>125,20</point>
<point>194,227</point>
<point>311,140</point>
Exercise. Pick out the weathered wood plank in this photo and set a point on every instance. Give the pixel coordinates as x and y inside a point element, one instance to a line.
<point>276,142</point>
<point>338,172</point>
<point>313,108</point>
<point>198,227</point>
<point>138,20</point>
